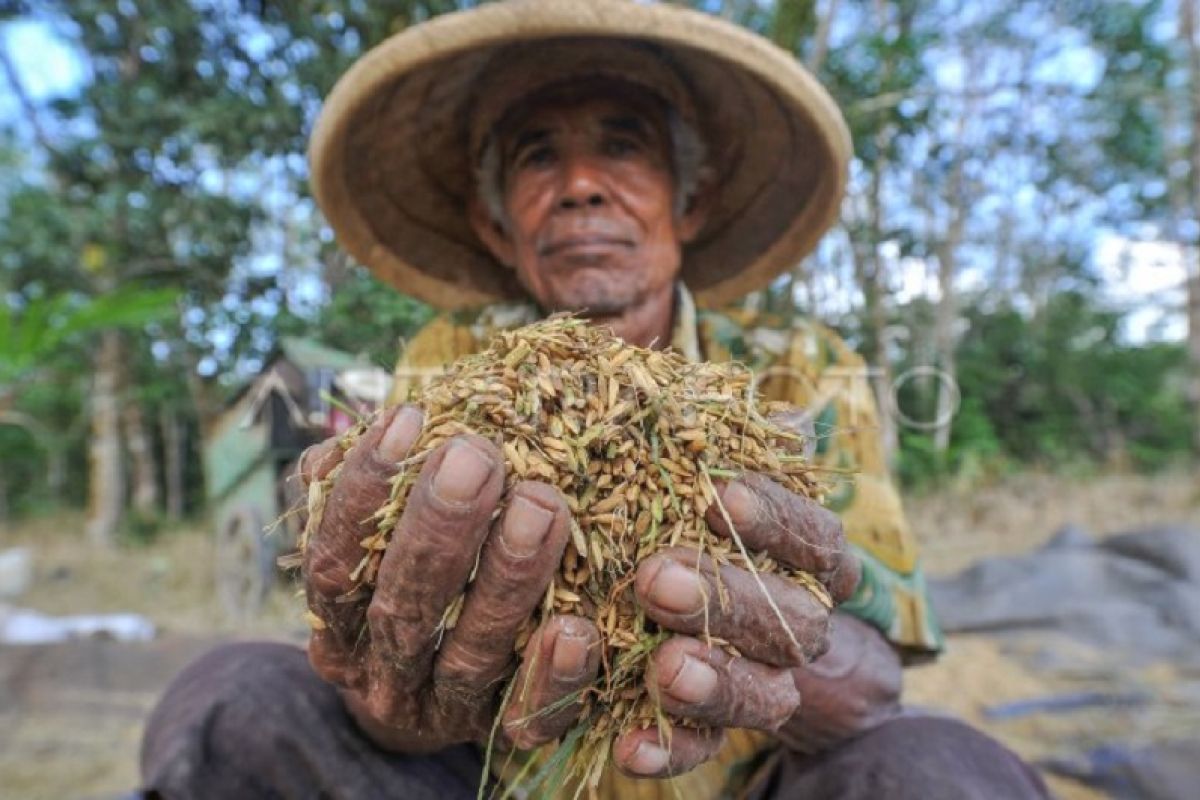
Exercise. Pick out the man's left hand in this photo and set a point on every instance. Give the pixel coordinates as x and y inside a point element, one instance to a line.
<point>683,593</point>
<point>850,690</point>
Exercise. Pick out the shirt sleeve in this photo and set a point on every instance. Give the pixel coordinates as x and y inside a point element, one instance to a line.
<point>437,345</point>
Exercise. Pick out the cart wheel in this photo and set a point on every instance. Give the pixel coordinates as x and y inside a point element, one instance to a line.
<point>245,564</point>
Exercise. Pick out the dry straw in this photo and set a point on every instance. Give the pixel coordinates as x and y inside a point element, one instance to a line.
<point>633,438</point>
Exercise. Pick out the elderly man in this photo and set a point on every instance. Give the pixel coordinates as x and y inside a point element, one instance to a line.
<point>617,161</point>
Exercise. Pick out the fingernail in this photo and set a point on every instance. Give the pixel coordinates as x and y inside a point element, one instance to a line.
<point>677,589</point>
<point>525,527</point>
<point>462,474</point>
<point>695,682</point>
<point>740,502</point>
<point>648,759</point>
<point>570,659</point>
<point>400,434</point>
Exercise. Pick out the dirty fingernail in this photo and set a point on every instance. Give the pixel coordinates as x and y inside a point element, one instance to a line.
<point>570,657</point>
<point>648,759</point>
<point>695,682</point>
<point>677,589</point>
<point>400,434</point>
<point>740,502</point>
<point>462,474</point>
<point>525,527</point>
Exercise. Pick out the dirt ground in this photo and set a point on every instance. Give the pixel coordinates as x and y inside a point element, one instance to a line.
<point>71,714</point>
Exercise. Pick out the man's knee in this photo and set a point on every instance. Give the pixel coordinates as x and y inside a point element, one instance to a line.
<point>927,757</point>
<point>253,720</point>
<point>227,714</point>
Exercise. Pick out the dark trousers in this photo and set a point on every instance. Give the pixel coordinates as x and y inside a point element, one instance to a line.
<point>253,721</point>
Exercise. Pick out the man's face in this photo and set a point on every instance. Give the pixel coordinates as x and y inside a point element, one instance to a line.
<point>588,192</point>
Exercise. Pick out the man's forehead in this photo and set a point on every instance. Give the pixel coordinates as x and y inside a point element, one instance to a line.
<point>614,106</point>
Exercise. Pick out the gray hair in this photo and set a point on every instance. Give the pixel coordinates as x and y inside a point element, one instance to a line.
<point>688,154</point>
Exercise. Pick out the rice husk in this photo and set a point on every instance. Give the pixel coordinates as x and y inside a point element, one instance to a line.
<point>634,439</point>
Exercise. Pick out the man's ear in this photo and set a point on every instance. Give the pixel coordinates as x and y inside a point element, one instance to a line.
<point>692,220</point>
<point>493,235</point>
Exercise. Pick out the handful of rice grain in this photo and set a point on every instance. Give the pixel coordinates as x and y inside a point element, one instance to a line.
<point>633,438</point>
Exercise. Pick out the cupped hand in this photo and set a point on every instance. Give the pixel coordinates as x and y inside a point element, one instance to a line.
<point>852,688</point>
<point>412,685</point>
<point>693,597</point>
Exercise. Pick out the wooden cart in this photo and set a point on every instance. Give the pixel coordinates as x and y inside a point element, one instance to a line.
<point>304,394</point>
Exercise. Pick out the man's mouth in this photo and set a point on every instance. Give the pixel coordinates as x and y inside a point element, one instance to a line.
<point>584,245</point>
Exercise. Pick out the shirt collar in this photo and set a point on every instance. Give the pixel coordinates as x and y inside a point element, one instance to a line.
<point>684,335</point>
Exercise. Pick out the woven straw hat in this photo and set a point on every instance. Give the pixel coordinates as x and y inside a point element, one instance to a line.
<point>394,151</point>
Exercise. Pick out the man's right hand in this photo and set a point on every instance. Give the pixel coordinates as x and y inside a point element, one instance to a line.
<point>407,692</point>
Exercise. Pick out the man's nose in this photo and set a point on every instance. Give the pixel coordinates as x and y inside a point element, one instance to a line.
<point>583,184</point>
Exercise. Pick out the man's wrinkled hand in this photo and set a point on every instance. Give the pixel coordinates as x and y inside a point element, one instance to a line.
<point>407,692</point>
<point>682,592</point>
<point>852,688</point>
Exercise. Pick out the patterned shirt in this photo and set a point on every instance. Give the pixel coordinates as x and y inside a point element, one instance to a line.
<point>810,367</point>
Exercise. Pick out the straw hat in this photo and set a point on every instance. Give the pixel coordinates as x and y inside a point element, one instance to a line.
<point>394,151</point>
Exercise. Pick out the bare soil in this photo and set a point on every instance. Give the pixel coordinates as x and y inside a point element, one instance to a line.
<point>959,526</point>
<point>71,714</point>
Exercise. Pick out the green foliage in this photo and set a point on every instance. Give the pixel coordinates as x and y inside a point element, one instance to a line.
<point>975,451</point>
<point>1054,390</point>
<point>141,529</point>
<point>177,166</point>
<point>363,315</point>
<point>30,335</point>
<point>1129,96</point>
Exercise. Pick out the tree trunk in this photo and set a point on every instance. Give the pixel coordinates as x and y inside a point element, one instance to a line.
<point>56,470</point>
<point>1193,334</point>
<point>946,315</point>
<point>869,275</point>
<point>140,446</point>
<point>947,307</point>
<point>173,443</point>
<point>820,45</point>
<point>1188,15</point>
<point>204,397</point>
<point>105,470</point>
<point>4,512</point>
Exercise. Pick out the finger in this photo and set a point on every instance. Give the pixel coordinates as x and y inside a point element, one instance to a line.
<point>713,688</point>
<point>795,530</point>
<point>334,662</point>
<point>333,650</point>
<point>431,555</point>
<point>314,464</point>
<point>560,661</point>
<point>682,593</point>
<point>647,754</point>
<point>334,549</point>
<point>517,563</point>
<point>319,460</point>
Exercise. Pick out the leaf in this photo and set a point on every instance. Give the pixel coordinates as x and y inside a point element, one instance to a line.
<point>125,308</point>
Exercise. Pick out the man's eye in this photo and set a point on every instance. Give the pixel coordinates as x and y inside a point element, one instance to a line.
<point>618,148</point>
<point>536,157</point>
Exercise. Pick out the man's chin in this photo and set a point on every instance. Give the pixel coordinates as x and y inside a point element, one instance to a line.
<point>594,300</point>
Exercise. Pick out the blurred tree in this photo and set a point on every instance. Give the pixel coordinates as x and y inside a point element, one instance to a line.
<point>32,336</point>
<point>1147,117</point>
<point>985,157</point>
<point>363,316</point>
<point>1189,30</point>
<point>178,162</point>
<point>140,169</point>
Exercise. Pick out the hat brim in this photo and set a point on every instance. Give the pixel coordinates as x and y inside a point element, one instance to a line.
<point>391,166</point>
